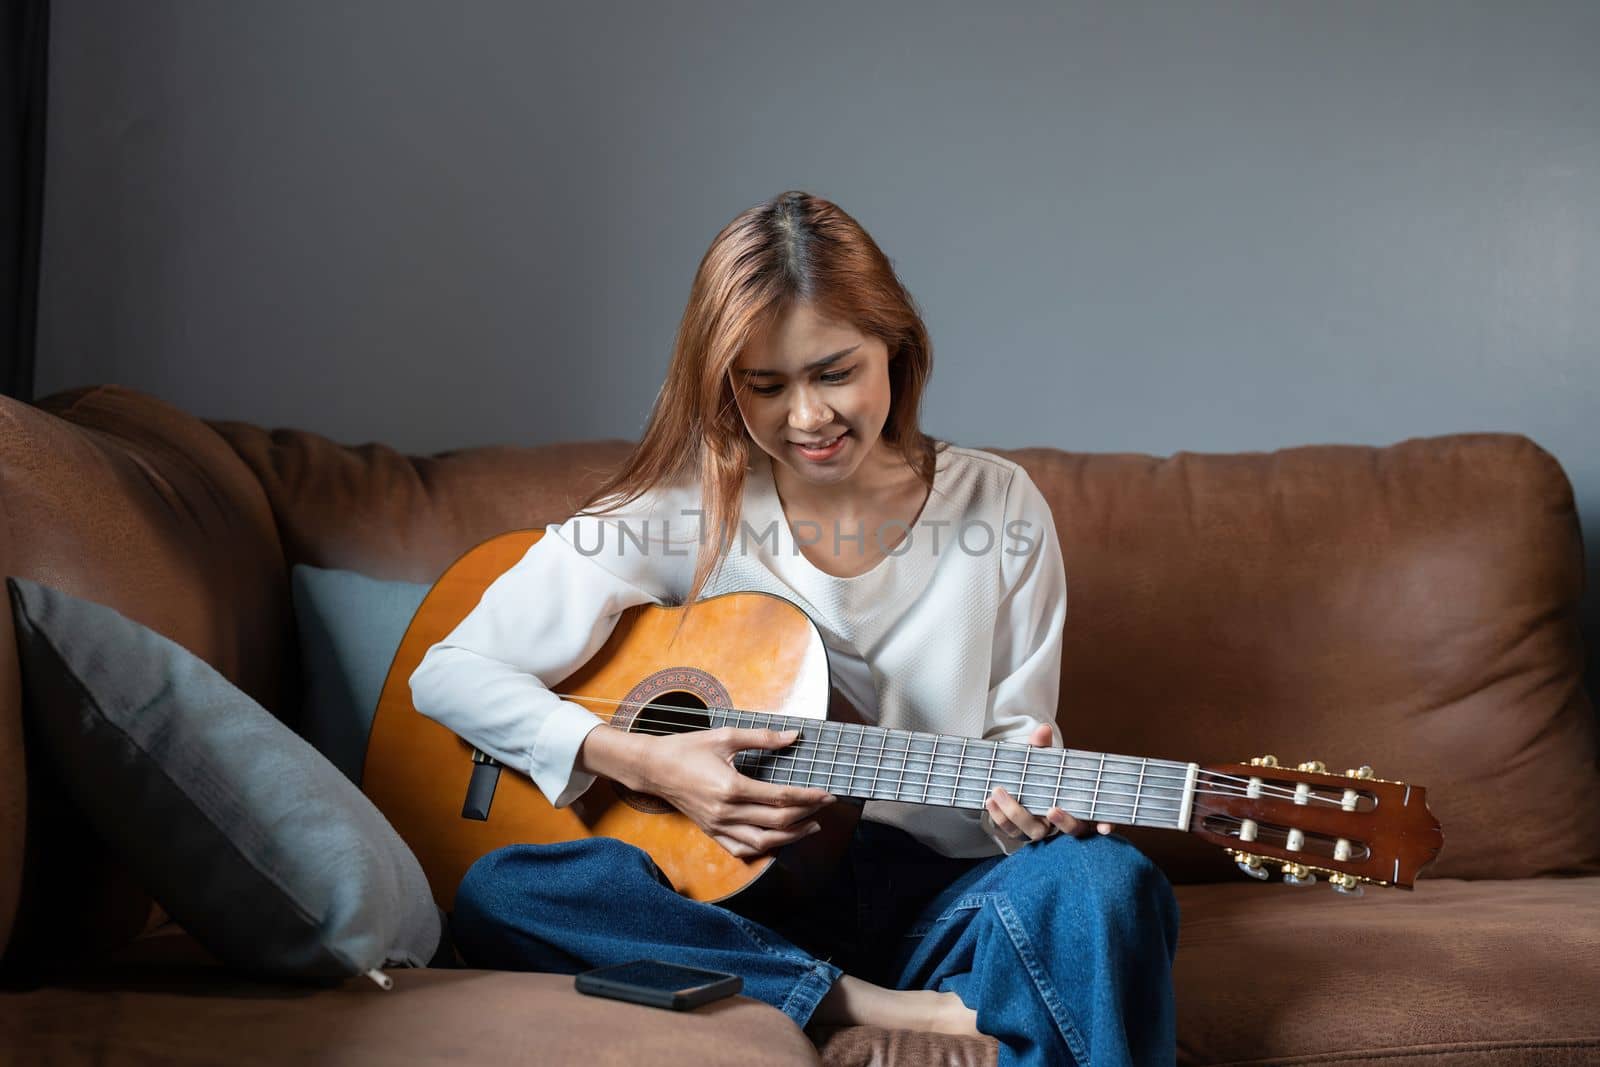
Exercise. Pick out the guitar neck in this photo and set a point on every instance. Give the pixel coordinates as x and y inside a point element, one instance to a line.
<point>876,763</point>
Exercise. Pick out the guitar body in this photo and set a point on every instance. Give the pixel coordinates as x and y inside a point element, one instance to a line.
<point>739,650</point>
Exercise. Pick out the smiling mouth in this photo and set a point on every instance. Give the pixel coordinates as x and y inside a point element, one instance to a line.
<point>817,446</point>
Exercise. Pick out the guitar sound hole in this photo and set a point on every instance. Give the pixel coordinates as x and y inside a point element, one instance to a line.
<point>672,713</point>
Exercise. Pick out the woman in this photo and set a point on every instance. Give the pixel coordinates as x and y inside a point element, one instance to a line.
<point>934,575</point>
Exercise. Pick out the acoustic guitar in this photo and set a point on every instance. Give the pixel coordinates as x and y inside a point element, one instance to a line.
<point>756,660</point>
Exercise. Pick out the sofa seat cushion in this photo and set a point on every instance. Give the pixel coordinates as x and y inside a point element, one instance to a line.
<point>165,1000</point>
<point>1454,972</point>
<point>875,1046</point>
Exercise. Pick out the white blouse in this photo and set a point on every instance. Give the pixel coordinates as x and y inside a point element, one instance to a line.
<point>957,631</point>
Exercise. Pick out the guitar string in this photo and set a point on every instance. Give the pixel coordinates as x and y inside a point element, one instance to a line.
<point>1213,777</point>
<point>1065,779</point>
<point>1066,783</point>
<point>909,756</point>
<point>1149,807</point>
<point>802,721</point>
<point>1226,788</point>
<point>1000,746</point>
<point>1145,811</point>
<point>833,722</point>
<point>1135,818</point>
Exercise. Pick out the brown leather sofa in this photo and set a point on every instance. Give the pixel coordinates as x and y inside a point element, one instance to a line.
<point>1411,607</point>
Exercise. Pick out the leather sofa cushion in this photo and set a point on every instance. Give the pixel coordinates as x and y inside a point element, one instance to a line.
<point>163,1000</point>
<point>1491,973</point>
<point>1487,973</point>
<point>1461,972</point>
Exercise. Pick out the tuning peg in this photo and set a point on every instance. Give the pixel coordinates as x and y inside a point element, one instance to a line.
<point>1363,772</point>
<point>1348,884</point>
<point>1263,761</point>
<point>1297,874</point>
<point>1315,766</point>
<point>1251,865</point>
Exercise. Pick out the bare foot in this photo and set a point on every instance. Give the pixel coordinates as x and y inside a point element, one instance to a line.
<point>855,1002</point>
<point>951,1016</point>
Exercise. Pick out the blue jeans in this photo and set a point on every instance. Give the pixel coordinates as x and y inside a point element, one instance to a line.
<point>1064,949</point>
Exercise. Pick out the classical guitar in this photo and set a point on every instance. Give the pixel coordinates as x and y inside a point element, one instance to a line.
<point>755,660</point>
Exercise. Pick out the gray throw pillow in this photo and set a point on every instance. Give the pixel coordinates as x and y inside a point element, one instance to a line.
<point>350,626</point>
<point>253,842</point>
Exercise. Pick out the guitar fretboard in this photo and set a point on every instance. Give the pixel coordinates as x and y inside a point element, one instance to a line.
<point>876,763</point>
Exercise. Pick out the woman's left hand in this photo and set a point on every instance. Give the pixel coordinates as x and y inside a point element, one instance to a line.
<point>1018,823</point>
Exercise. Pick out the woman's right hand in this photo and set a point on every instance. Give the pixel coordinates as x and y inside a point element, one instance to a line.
<point>693,771</point>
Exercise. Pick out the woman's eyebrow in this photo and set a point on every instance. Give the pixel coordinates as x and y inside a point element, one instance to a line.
<point>813,365</point>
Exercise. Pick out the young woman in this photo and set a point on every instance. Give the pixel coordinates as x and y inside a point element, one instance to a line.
<point>784,455</point>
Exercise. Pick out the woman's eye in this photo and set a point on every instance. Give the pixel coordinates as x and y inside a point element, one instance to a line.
<point>830,378</point>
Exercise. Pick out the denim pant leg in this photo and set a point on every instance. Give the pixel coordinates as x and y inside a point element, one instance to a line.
<point>1063,948</point>
<point>571,906</point>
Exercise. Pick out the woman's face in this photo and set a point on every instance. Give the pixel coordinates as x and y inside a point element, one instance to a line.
<point>814,394</point>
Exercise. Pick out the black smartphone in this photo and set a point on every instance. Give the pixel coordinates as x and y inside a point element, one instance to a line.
<point>658,984</point>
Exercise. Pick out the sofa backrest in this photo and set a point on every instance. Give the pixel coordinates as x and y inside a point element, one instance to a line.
<point>117,497</point>
<point>1411,607</point>
<point>1414,608</point>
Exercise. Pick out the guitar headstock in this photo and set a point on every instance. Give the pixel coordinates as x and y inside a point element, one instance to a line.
<point>1352,827</point>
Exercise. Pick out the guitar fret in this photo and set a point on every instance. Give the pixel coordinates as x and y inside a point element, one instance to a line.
<point>823,764</point>
<point>791,755</point>
<point>1094,802</point>
<point>875,756</point>
<point>1007,776</point>
<point>751,756</point>
<point>1134,818</point>
<point>849,758</point>
<point>935,771</point>
<point>961,773</point>
<point>853,757</point>
<point>1040,785</point>
<point>876,761</point>
<point>952,763</point>
<point>830,758</point>
<point>854,733</point>
<point>734,716</point>
<point>926,770</point>
<point>906,768</point>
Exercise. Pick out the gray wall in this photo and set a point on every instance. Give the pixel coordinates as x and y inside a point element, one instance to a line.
<point>1209,226</point>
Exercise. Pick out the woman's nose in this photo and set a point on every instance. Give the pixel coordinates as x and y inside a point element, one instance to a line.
<point>808,412</point>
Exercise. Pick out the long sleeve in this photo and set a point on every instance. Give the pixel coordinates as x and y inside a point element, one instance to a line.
<point>1025,677</point>
<point>488,679</point>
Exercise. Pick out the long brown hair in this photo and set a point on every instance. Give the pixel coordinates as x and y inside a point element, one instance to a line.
<point>792,248</point>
